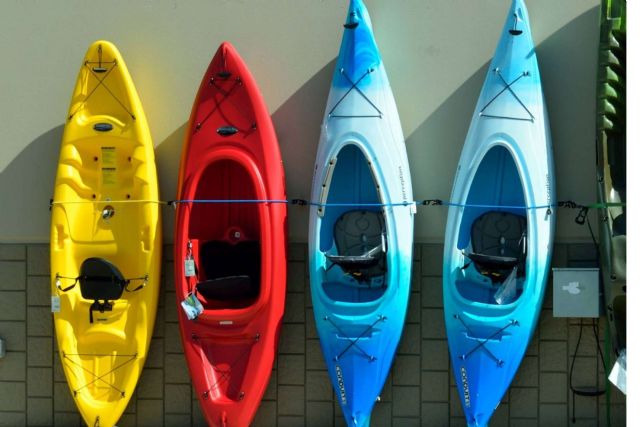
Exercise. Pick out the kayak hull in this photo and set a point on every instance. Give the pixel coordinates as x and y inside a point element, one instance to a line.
<point>106,166</point>
<point>361,169</point>
<point>231,152</point>
<point>505,172</point>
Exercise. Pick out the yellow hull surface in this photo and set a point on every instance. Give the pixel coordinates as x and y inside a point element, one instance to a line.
<point>105,206</point>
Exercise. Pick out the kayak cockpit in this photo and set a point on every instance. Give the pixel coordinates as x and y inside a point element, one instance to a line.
<point>493,233</point>
<point>224,238</point>
<point>353,230</point>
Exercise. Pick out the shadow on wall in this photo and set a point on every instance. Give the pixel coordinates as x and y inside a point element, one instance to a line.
<point>26,185</point>
<point>168,154</point>
<point>437,143</point>
<point>568,64</point>
<point>567,61</point>
<point>297,123</point>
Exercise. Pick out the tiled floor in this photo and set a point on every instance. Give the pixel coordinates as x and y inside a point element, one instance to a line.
<point>420,390</point>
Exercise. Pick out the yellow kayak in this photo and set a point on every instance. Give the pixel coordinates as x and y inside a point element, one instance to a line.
<point>105,239</point>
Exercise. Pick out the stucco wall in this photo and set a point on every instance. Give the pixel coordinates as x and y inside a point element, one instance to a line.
<point>436,53</point>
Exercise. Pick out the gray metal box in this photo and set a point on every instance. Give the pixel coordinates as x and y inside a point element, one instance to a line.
<point>576,292</point>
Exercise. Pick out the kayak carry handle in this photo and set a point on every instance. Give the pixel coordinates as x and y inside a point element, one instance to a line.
<point>514,31</point>
<point>227,130</point>
<point>103,127</point>
<point>351,23</point>
<point>99,68</point>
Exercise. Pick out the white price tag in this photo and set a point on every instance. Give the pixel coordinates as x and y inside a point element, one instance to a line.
<point>189,267</point>
<point>55,304</point>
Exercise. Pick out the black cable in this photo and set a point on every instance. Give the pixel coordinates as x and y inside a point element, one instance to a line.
<point>587,392</point>
<point>582,218</point>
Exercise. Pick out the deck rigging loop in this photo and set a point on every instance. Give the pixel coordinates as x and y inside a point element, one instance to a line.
<point>105,72</point>
<point>483,341</point>
<point>215,82</point>
<point>225,374</point>
<point>507,87</point>
<point>354,85</point>
<point>129,358</point>
<point>354,342</point>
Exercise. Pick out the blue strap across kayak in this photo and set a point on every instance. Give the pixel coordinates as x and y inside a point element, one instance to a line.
<point>214,201</point>
<point>374,205</point>
<point>302,202</point>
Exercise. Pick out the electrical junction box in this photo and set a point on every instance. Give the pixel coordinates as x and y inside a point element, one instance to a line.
<point>576,292</point>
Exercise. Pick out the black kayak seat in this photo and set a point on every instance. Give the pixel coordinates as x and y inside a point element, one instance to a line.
<point>498,241</point>
<point>229,288</point>
<point>101,282</point>
<point>231,271</point>
<point>360,243</point>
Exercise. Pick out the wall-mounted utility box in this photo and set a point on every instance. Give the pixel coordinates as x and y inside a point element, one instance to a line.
<point>576,292</point>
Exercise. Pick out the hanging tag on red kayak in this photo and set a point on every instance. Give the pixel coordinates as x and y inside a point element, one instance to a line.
<point>189,267</point>
<point>192,306</point>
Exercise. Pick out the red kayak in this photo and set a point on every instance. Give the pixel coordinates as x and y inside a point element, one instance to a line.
<point>230,253</point>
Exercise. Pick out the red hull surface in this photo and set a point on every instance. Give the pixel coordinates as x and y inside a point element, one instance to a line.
<point>239,249</point>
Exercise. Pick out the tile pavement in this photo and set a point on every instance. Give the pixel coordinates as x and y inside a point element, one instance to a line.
<point>420,389</point>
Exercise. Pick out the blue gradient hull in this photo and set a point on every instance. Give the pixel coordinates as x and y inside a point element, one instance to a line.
<point>361,160</point>
<point>506,161</point>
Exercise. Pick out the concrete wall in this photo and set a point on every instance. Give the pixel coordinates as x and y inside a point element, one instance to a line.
<point>436,53</point>
<point>420,389</point>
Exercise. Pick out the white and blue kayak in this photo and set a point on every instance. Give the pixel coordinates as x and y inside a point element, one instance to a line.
<point>361,224</point>
<point>500,225</point>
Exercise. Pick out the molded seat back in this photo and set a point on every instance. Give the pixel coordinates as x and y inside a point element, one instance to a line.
<point>100,280</point>
<point>498,241</point>
<point>359,238</point>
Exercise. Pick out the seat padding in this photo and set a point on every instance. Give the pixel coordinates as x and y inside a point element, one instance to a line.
<point>100,280</point>
<point>498,241</point>
<point>359,238</point>
<point>227,265</point>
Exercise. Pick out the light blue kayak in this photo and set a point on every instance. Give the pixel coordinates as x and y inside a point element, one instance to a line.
<point>498,241</point>
<point>361,225</point>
